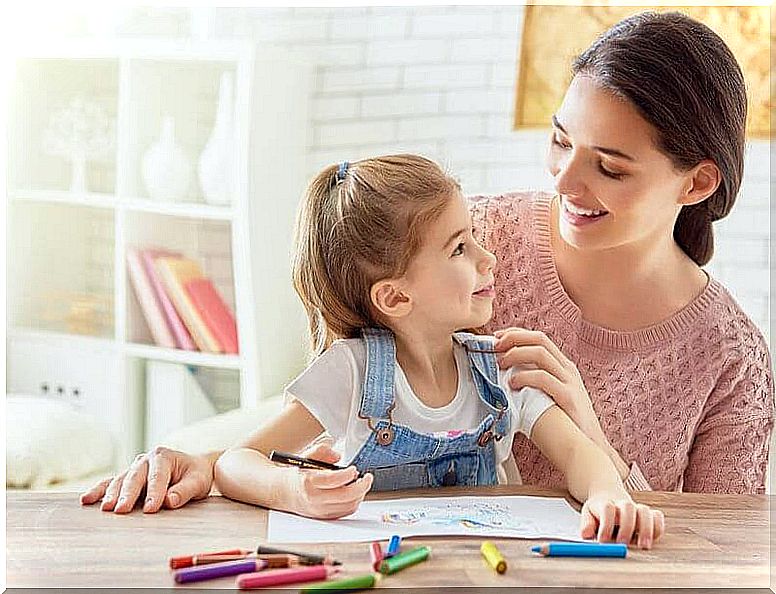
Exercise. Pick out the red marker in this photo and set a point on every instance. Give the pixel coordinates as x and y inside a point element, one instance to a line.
<point>376,554</point>
<point>278,577</point>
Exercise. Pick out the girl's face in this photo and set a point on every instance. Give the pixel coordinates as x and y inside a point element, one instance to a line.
<point>616,188</point>
<point>450,279</point>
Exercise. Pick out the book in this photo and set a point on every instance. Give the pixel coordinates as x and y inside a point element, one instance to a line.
<point>175,272</point>
<point>149,304</point>
<point>214,312</point>
<point>180,334</point>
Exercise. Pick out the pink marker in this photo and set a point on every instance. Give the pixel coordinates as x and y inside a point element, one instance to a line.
<point>278,577</point>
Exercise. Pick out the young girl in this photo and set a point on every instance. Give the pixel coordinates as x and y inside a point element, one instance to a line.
<point>389,273</point>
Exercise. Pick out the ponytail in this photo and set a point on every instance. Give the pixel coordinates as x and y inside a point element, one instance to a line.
<point>694,234</point>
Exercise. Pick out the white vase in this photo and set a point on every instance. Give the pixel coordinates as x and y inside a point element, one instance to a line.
<point>166,169</point>
<point>216,163</point>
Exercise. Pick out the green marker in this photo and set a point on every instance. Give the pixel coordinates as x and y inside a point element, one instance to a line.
<point>352,584</point>
<point>405,559</point>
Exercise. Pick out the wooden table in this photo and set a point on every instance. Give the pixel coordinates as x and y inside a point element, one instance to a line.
<point>711,541</point>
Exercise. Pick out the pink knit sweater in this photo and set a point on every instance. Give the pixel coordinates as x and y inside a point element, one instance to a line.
<point>689,402</point>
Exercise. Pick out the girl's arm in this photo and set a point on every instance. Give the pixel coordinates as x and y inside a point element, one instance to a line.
<point>246,474</point>
<point>591,477</point>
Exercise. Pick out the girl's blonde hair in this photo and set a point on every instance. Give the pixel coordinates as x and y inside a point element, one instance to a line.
<point>357,228</point>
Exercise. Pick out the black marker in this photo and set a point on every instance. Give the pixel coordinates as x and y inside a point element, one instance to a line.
<point>306,463</point>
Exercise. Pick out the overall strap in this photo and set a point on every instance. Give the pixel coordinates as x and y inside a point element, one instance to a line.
<point>377,390</point>
<point>485,374</point>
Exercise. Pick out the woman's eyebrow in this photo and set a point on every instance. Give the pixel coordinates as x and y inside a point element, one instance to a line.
<point>601,149</point>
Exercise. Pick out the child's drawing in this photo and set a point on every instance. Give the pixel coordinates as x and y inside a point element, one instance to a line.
<point>507,516</point>
<point>477,515</point>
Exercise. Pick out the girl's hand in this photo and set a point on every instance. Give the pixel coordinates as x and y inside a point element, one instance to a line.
<point>328,494</point>
<point>634,521</point>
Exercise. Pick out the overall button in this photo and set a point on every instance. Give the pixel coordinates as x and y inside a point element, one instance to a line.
<point>484,438</point>
<point>384,436</point>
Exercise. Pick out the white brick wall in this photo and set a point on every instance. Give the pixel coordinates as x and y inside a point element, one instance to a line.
<point>439,80</point>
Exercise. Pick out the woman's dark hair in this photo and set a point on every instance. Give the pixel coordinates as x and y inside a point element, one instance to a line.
<point>685,82</point>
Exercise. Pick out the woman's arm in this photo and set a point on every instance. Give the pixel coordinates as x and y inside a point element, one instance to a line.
<point>246,474</point>
<point>730,458</point>
<point>592,478</point>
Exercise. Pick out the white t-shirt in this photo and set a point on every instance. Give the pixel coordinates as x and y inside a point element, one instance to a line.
<point>330,388</point>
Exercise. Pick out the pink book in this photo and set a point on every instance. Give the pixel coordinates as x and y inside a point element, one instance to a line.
<point>214,312</point>
<point>152,309</point>
<point>182,337</point>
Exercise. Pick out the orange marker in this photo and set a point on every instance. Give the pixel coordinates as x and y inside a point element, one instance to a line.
<point>188,560</point>
<point>273,561</point>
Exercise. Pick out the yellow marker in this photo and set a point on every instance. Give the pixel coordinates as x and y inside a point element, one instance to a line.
<point>493,556</point>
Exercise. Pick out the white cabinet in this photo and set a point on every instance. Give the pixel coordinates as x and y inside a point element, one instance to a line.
<point>67,275</point>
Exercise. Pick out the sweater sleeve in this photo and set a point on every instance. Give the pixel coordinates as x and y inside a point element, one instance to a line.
<point>731,445</point>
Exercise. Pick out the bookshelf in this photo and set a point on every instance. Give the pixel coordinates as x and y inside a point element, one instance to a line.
<point>72,312</point>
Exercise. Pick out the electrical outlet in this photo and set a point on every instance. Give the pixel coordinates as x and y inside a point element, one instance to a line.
<point>71,394</point>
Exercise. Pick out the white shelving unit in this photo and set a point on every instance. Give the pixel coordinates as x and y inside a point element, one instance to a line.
<point>72,313</point>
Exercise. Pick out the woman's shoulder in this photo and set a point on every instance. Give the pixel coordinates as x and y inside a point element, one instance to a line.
<point>728,335</point>
<point>519,200</point>
<point>508,213</point>
<point>727,321</point>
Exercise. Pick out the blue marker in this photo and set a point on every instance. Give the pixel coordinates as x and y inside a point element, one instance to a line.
<point>393,546</point>
<point>582,549</point>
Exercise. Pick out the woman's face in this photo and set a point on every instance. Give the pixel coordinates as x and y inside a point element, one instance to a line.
<point>616,187</point>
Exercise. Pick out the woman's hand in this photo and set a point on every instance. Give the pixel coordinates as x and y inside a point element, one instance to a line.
<point>168,478</point>
<point>328,494</point>
<point>537,362</point>
<point>540,364</point>
<point>602,513</point>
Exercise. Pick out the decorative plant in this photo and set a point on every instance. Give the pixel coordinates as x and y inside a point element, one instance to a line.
<point>81,131</point>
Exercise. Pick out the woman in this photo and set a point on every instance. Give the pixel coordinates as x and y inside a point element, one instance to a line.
<point>651,357</point>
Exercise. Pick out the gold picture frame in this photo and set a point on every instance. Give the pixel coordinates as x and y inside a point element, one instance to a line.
<point>554,35</point>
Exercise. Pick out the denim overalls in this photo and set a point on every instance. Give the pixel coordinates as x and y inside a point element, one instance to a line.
<point>400,458</point>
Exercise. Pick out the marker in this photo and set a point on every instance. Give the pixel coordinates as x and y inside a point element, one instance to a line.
<point>187,560</point>
<point>582,549</point>
<point>278,577</point>
<point>273,561</point>
<point>216,570</point>
<point>352,584</point>
<point>376,555</point>
<point>493,556</point>
<point>393,546</point>
<point>304,558</point>
<point>404,559</point>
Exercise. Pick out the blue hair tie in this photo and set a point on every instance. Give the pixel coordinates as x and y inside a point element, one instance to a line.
<point>342,171</point>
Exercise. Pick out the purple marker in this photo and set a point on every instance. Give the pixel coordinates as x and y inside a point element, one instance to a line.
<point>217,570</point>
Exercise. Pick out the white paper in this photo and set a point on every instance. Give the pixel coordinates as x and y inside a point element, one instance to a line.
<point>509,516</point>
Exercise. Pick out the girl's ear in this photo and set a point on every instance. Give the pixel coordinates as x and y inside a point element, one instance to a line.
<point>704,180</point>
<point>389,299</point>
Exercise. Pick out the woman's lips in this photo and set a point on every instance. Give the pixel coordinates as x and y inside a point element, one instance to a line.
<point>579,220</point>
